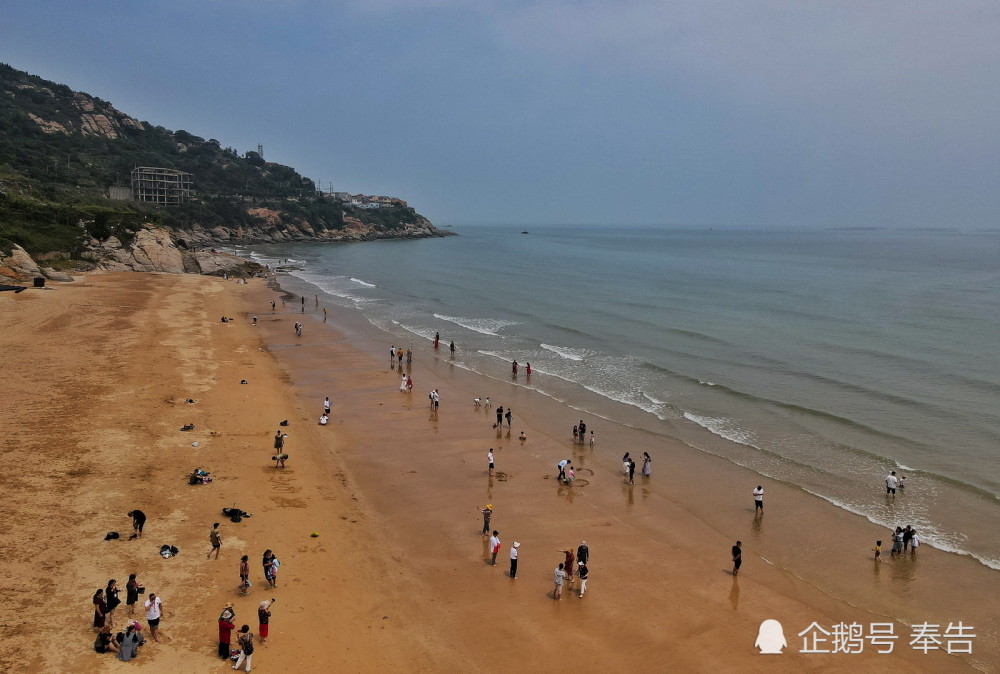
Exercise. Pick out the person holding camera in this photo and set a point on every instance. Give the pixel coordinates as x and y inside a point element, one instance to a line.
<point>263,618</point>
<point>132,592</point>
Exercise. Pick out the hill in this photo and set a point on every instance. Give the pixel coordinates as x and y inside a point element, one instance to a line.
<point>62,152</point>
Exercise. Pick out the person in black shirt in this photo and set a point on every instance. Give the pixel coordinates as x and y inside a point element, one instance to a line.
<point>737,557</point>
<point>583,553</point>
<point>138,522</point>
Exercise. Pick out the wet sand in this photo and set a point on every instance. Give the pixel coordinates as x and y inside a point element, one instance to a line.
<point>398,577</point>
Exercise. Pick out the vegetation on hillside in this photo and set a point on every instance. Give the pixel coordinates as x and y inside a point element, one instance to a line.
<point>61,150</point>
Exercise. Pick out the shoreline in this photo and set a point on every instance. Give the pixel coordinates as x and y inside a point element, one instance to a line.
<point>945,589</point>
<point>398,576</point>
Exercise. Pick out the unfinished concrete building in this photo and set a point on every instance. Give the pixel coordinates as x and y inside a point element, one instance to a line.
<point>167,187</point>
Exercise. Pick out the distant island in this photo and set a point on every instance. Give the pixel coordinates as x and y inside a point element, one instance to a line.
<point>84,185</point>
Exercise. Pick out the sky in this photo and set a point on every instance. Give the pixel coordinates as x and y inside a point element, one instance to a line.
<point>686,113</point>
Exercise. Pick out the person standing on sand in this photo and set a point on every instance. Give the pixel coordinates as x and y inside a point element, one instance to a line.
<point>576,434</point>
<point>592,439</point>
<point>100,610</point>
<point>244,574</point>
<point>279,439</point>
<point>216,539</point>
<point>558,575</point>
<point>409,355</point>
<point>326,410</point>
<point>154,609</point>
<point>647,460</point>
<point>878,551</point>
<point>409,384</point>
<point>499,417</point>
<point>631,471</point>
<point>272,305</point>
<point>494,547</point>
<point>914,542</point>
<point>583,573</point>
<point>513,368</point>
<point>582,553</point>
<point>758,499</point>
<point>226,627</point>
<point>138,522</point>
<point>392,355</point>
<point>402,384</point>
<point>625,462</point>
<point>489,459</point>
<point>508,415</point>
<point>890,484</point>
<point>399,357</point>
<point>487,516</point>
<point>255,319</point>
<point>513,560</point>
<point>111,596</point>
<point>263,620</point>
<point>245,640</point>
<point>568,564</point>
<point>131,593</point>
<point>737,557</point>
<point>267,561</point>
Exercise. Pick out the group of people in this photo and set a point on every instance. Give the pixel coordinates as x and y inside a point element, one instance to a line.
<point>903,539</point>
<point>126,642</point>
<point>396,356</point>
<point>628,466</point>
<point>244,637</point>
<point>580,434</point>
<point>564,573</point>
<point>514,366</point>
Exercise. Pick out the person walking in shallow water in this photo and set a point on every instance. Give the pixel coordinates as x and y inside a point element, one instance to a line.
<point>631,471</point>
<point>647,461</point>
<point>508,415</point>
<point>758,500</point>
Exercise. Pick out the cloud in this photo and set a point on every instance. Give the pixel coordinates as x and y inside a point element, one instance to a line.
<point>893,66</point>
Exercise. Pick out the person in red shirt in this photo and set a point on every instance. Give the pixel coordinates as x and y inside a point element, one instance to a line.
<point>226,627</point>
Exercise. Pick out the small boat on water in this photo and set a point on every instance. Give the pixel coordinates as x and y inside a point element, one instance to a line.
<point>524,232</point>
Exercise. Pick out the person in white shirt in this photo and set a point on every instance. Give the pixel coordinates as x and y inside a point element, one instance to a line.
<point>154,609</point>
<point>513,559</point>
<point>890,483</point>
<point>489,457</point>
<point>758,499</point>
<point>323,420</point>
<point>494,546</point>
<point>326,405</point>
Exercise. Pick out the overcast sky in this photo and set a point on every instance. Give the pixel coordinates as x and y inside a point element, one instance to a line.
<point>814,114</point>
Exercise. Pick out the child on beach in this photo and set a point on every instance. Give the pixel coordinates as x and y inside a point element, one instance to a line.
<point>878,551</point>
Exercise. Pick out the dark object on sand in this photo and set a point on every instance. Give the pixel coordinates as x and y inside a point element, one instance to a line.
<point>112,535</point>
<point>39,282</point>
<point>189,400</point>
<point>16,289</point>
<point>283,423</point>
<point>187,427</point>
<point>243,381</point>
<point>167,551</point>
<point>235,514</point>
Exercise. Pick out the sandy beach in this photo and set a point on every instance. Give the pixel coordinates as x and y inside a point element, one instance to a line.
<point>398,577</point>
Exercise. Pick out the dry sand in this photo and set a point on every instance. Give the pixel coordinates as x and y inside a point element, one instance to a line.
<point>398,579</point>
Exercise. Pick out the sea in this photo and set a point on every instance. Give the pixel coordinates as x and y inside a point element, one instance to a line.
<point>819,358</point>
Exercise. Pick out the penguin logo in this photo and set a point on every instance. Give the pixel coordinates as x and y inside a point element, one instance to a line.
<point>770,637</point>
